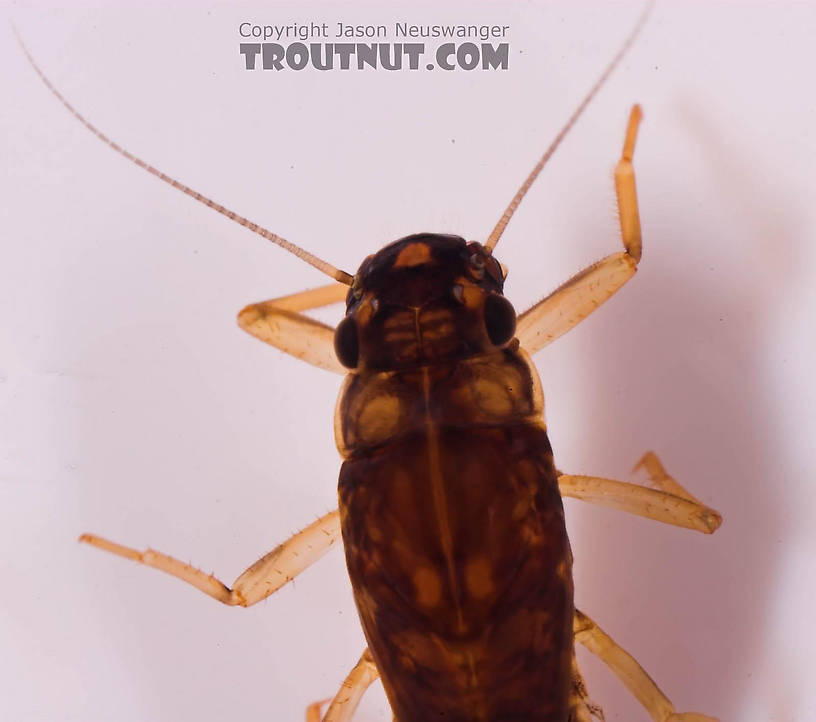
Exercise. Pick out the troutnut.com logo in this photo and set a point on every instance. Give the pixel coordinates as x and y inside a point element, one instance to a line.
<point>453,47</point>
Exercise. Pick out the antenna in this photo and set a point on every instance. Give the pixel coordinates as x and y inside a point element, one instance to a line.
<point>496,233</point>
<point>301,253</point>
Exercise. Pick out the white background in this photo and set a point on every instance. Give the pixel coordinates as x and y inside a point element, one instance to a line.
<point>132,406</point>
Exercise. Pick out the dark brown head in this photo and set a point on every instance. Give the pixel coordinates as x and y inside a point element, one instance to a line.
<point>424,298</point>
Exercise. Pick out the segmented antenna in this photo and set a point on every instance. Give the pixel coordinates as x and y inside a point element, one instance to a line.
<point>301,253</point>
<point>496,233</point>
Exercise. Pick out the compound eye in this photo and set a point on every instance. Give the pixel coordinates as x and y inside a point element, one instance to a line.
<point>346,344</point>
<point>499,318</point>
<point>495,270</point>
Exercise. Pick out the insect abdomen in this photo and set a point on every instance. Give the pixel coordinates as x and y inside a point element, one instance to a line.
<point>462,574</point>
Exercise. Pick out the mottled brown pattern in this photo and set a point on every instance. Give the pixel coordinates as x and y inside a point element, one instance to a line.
<point>450,511</point>
<point>503,653</point>
<point>408,314</point>
<point>495,388</point>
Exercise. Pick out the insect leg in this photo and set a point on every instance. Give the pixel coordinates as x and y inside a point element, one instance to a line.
<point>351,692</point>
<point>633,676</point>
<point>264,577</point>
<point>573,301</point>
<point>278,323</point>
<point>669,503</point>
<point>582,708</point>
<point>652,465</point>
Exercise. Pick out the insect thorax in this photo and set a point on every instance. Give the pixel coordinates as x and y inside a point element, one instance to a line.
<point>494,389</point>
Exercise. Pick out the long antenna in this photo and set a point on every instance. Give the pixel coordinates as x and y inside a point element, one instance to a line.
<point>496,233</point>
<point>301,253</point>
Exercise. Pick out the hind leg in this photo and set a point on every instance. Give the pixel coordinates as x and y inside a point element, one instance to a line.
<point>345,702</point>
<point>582,708</point>
<point>628,671</point>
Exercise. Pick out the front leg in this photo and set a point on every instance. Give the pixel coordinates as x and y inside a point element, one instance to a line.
<point>572,302</point>
<point>278,323</point>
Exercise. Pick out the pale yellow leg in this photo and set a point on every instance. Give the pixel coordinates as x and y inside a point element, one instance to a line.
<point>633,676</point>
<point>351,692</point>
<point>264,577</point>
<point>573,301</point>
<point>278,323</point>
<point>652,465</point>
<point>669,503</point>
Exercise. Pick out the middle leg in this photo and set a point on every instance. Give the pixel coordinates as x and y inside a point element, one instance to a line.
<point>669,502</point>
<point>264,577</point>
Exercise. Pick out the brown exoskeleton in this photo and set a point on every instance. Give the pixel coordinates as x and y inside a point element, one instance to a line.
<point>450,504</point>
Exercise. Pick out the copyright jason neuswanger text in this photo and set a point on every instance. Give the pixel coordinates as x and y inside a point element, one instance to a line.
<point>293,46</point>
